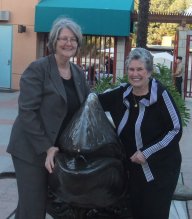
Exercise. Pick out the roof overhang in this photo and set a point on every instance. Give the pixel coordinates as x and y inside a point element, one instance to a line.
<point>96,17</point>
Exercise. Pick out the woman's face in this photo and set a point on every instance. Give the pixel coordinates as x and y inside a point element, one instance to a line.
<point>138,75</point>
<point>67,44</point>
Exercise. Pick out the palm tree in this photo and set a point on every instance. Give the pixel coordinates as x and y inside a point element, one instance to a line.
<point>142,28</point>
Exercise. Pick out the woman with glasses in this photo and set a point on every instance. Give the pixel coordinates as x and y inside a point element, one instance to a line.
<point>51,90</point>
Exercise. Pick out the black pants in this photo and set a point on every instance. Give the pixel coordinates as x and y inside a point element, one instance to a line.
<point>152,200</point>
<point>178,84</point>
<point>32,190</point>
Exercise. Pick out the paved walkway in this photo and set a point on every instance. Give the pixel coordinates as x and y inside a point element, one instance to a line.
<point>8,192</point>
<point>186,150</point>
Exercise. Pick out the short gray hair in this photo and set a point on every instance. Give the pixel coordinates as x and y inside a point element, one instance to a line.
<point>58,25</point>
<point>143,55</point>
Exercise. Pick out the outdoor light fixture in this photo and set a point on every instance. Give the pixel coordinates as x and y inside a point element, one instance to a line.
<point>21,28</point>
<point>4,15</point>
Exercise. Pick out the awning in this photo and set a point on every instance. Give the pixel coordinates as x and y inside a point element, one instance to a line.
<point>96,17</point>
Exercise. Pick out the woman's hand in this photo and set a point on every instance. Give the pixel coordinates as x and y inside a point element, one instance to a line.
<point>138,158</point>
<point>49,162</point>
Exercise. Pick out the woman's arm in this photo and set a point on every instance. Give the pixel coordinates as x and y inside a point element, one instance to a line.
<point>172,126</point>
<point>109,98</point>
<point>31,95</point>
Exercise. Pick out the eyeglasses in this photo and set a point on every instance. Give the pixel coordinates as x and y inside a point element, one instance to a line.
<point>68,39</point>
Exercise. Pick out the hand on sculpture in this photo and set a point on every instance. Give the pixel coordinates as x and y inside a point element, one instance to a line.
<point>138,158</point>
<point>49,162</point>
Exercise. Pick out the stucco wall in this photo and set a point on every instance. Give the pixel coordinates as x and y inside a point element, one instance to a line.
<point>24,44</point>
<point>120,57</point>
<point>29,45</point>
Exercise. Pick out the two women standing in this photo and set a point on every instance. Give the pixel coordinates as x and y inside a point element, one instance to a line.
<point>145,116</point>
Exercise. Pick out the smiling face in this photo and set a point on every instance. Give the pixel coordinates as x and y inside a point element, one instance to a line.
<point>67,44</point>
<point>138,76</point>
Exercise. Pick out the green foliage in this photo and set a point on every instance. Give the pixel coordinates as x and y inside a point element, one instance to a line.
<point>164,77</point>
<point>157,30</point>
<point>166,5</point>
<point>179,6</point>
<point>104,84</point>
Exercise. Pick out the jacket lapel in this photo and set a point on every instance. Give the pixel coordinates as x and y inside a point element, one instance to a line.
<point>55,77</point>
<point>58,82</point>
<point>77,81</point>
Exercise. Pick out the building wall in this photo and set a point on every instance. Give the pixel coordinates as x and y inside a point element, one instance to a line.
<point>24,44</point>
<point>28,46</point>
<point>120,57</point>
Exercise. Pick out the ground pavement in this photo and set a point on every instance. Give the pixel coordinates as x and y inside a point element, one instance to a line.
<point>8,191</point>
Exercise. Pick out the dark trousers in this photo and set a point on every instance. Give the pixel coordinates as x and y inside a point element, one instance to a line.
<point>178,84</point>
<point>32,190</point>
<point>152,200</point>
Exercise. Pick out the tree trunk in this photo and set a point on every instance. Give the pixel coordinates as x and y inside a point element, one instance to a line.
<point>142,28</point>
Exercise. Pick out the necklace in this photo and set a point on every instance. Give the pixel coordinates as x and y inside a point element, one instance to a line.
<point>135,102</point>
<point>65,74</point>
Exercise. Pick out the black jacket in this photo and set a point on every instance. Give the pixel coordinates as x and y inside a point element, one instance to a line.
<point>157,128</point>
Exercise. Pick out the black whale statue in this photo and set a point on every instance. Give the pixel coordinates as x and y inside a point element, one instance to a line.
<point>89,170</point>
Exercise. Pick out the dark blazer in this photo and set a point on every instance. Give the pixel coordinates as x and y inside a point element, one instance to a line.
<point>157,127</point>
<point>42,109</point>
